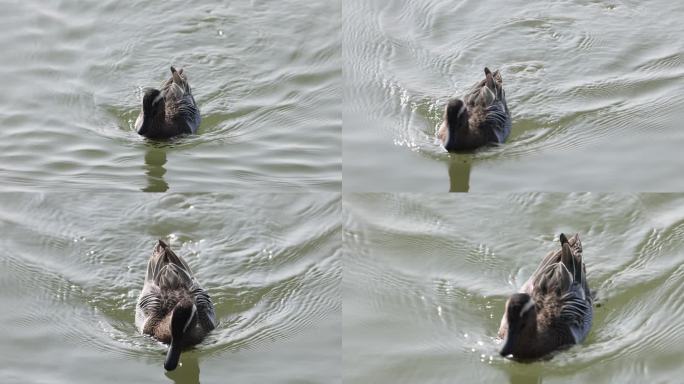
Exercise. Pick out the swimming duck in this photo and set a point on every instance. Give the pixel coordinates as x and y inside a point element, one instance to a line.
<point>554,307</point>
<point>173,307</point>
<point>170,111</point>
<point>481,118</point>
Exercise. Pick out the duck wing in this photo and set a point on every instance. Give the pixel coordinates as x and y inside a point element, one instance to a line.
<point>149,306</point>
<point>180,103</point>
<point>166,269</point>
<point>487,101</point>
<point>549,272</point>
<point>188,113</point>
<point>497,122</point>
<point>485,92</point>
<point>576,301</point>
<point>205,308</point>
<point>562,273</point>
<point>171,272</point>
<point>167,272</point>
<point>576,312</point>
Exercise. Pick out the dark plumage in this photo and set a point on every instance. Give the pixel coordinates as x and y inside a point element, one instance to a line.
<point>173,307</point>
<point>170,111</point>
<point>481,118</point>
<point>554,307</point>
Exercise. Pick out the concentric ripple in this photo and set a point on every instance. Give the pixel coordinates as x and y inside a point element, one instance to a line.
<point>73,266</point>
<point>426,277</point>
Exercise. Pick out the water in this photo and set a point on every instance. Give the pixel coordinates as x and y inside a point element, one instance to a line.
<point>594,88</point>
<point>426,277</point>
<point>312,285</point>
<point>72,266</point>
<point>266,76</point>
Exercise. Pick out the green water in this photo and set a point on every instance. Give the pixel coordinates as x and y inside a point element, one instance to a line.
<point>426,277</point>
<point>594,89</point>
<point>312,203</point>
<point>72,267</point>
<point>266,77</point>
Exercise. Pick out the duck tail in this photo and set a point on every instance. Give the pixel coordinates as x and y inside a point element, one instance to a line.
<point>180,79</point>
<point>572,260</point>
<point>489,79</point>
<point>498,80</point>
<point>176,75</point>
<point>488,92</point>
<point>163,255</point>
<point>494,82</point>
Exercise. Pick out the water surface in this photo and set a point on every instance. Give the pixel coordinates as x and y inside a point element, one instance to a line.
<point>266,77</point>
<point>72,266</point>
<point>594,88</point>
<point>426,278</point>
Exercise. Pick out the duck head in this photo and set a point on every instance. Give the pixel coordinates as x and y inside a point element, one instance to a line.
<point>152,113</point>
<point>183,320</point>
<point>455,121</point>
<point>521,316</point>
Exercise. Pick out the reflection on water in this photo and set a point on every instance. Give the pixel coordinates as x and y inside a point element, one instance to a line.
<point>72,266</point>
<point>438,314</point>
<point>524,377</point>
<point>575,106</point>
<point>188,370</point>
<point>155,158</point>
<point>278,83</point>
<point>459,172</point>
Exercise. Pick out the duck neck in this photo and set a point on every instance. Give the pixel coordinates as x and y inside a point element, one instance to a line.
<point>182,320</point>
<point>153,119</point>
<point>529,342</point>
<point>459,128</point>
<point>522,342</point>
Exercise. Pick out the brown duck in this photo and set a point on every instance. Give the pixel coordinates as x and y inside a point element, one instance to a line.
<point>554,307</point>
<point>168,112</point>
<point>173,307</point>
<point>481,118</point>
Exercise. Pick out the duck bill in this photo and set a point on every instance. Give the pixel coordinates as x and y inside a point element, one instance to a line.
<point>507,348</point>
<point>172,357</point>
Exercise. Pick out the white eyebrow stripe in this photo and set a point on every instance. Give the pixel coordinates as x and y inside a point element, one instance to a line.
<point>526,307</point>
<point>192,314</point>
<point>460,111</point>
<point>156,99</point>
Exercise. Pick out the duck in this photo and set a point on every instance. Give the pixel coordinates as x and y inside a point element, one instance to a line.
<point>479,119</point>
<point>554,308</point>
<point>173,307</point>
<point>168,112</point>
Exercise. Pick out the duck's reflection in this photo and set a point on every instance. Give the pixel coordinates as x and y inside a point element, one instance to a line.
<point>188,370</point>
<point>525,375</point>
<point>459,172</point>
<point>155,158</point>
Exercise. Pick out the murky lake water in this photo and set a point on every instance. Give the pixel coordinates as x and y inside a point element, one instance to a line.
<point>266,77</point>
<point>312,285</point>
<point>72,266</point>
<point>594,88</point>
<point>426,277</point>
